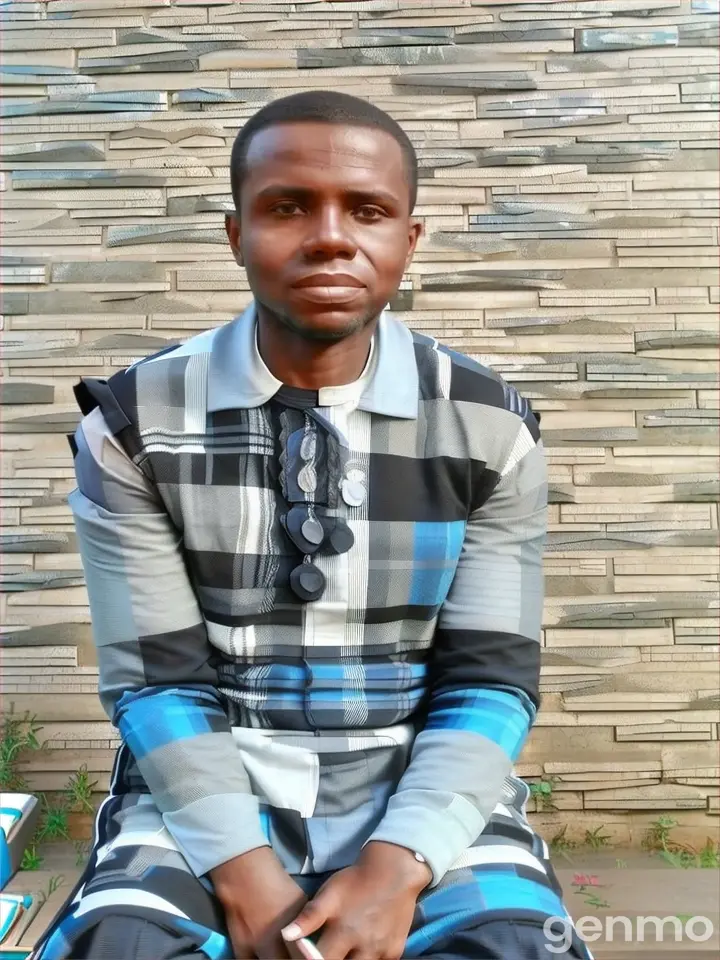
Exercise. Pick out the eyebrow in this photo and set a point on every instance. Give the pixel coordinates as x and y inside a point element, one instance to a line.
<point>304,194</point>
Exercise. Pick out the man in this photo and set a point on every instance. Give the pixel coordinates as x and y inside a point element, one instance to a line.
<point>312,543</point>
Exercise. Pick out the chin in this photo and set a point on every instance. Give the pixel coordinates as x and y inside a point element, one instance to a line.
<point>329,325</point>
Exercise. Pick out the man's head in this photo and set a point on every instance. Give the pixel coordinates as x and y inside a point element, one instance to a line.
<point>324,187</point>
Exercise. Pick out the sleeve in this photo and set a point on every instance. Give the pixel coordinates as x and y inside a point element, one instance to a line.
<point>484,690</point>
<point>157,683</point>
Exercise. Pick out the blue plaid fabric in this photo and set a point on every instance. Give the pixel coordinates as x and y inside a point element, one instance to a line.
<point>392,707</point>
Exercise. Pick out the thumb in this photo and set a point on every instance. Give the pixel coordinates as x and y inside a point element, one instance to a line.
<point>313,915</point>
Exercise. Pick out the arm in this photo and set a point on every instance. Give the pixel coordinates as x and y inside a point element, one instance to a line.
<point>156,682</point>
<point>486,665</point>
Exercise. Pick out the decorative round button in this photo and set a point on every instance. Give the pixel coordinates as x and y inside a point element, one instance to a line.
<point>313,531</point>
<point>307,582</point>
<point>341,538</point>
<point>307,479</point>
<point>353,492</point>
<point>308,446</point>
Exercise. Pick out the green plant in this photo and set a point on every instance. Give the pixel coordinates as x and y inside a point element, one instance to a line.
<point>621,864</point>
<point>657,836</point>
<point>54,883</point>
<point>658,840</point>
<point>53,822</point>
<point>596,839</point>
<point>543,793</point>
<point>78,791</point>
<point>561,845</point>
<point>82,852</point>
<point>31,859</point>
<point>594,901</point>
<point>709,856</point>
<point>17,736</point>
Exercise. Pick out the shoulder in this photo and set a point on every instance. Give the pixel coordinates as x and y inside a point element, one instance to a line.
<point>447,374</point>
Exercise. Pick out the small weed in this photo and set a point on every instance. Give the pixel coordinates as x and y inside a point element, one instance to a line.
<point>709,856</point>
<point>543,793</point>
<point>82,852</point>
<point>17,736</point>
<point>657,836</point>
<point>79,790</point>
<point>54,883</point>
<point>597,902</point>
<point>53,823</point>
<point>621,864</point>
<point>596,839</point>
<point>31,859</point>
<point>561,845</point>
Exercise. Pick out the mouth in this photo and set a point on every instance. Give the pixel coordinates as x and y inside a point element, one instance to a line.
<point>329,288</point>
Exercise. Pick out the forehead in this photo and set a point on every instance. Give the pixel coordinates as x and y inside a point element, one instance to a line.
<point>325,155</point>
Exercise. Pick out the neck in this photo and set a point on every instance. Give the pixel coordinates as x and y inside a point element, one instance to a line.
<point>311,364</point>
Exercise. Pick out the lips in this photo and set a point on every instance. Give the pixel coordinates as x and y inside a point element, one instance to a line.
<point>335,288</point>
<point>329,280</point>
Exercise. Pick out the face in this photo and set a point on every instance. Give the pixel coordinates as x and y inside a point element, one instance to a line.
<point>324,229</point>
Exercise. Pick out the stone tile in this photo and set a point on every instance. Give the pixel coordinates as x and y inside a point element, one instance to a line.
<point>59,151</point>
<point>47,423</point>
<point>46,580</point>
<point>56,179</point>
<point>26,393</point>
<point>106,272</point>
<point>589,41</point>
<point>471,82</point>
<point>142,234</point>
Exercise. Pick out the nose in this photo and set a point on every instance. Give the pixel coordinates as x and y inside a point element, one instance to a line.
<point>330,236</point>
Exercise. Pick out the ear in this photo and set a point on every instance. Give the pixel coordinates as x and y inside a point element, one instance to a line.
<point>416,230</point>
<point>232,228</point>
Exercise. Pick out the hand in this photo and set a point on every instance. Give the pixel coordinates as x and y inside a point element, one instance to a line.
<point>259,897</point>
<point>366,910</point>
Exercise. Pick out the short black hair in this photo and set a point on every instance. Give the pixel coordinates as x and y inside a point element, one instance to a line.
<point>320,106</point>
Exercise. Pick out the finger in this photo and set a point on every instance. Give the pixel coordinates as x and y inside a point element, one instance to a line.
<point>312,916</point>
<point>335,944</point>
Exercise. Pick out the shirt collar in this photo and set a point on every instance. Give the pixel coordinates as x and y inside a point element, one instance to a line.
<point>238,377</point>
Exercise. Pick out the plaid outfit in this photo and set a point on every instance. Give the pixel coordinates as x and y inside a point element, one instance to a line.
<point>392,707</point>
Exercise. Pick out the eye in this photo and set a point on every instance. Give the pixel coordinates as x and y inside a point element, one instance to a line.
<point>286,208</point>
<point>369,212</point>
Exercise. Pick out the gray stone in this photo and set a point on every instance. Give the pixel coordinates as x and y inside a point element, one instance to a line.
<point>69,80</point>
<point>236,95</point>
<point>624,38</point>
<point>651,340</point>
<point>706,6</point>
<point>76,179</point>
<point>467,82</point>
<point>130,236</point>
<point>106,272</point>
<point>494,280</point>
<point>671,605</point>
<point>429,159</point>
<point>145,101</point>
<point>702,34</point>
<point>389,56</point>
<point>19,393</point>
<point>186,206</point>
<point>593,436</point>
<point>145,63</point>
<point>691,417</point>
<point>60,422</point>
<point>135,343</point>
<point>516,36</point>
<point>57,151</point>
<point>471,243</point>
<point>562,542</point>
<point>40,580</point>
<point>48,635</point>
<point>37,543</point>
<point>39,70</point>
<point>406,39</point>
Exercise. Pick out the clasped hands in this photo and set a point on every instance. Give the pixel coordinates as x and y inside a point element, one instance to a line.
<point>363,912</point>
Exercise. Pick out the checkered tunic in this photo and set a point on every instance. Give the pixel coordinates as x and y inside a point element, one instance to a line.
<point>393,707</point>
